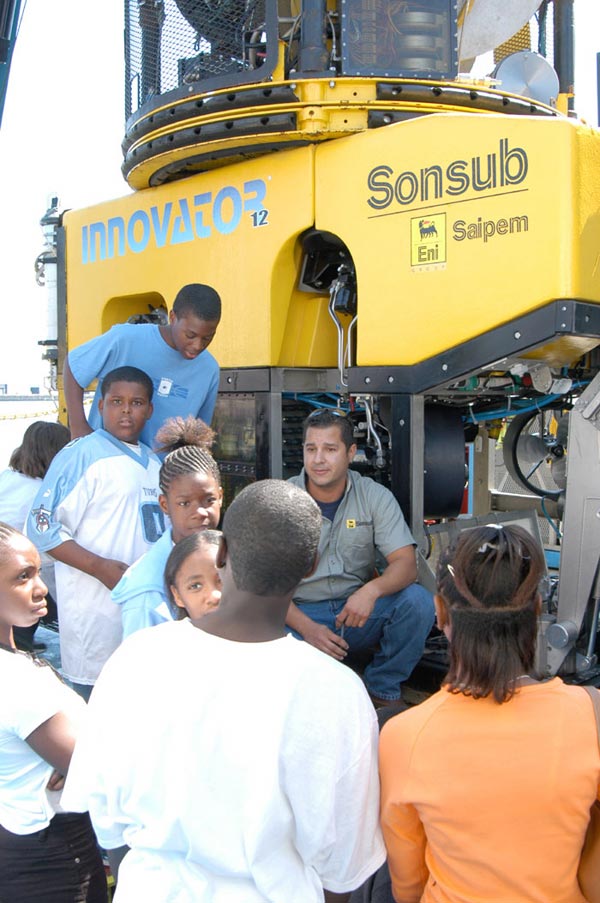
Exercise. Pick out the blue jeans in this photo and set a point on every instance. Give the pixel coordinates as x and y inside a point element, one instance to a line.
<point>399,623</point>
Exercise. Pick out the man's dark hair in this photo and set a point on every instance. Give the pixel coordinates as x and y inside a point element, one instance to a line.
<point>323,419</point>
<point>200,300</point>
<point>272,529</point>
<point>489,579</point>
<point>127,375</point>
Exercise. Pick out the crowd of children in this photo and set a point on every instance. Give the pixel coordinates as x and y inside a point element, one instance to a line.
<point>222,760</point>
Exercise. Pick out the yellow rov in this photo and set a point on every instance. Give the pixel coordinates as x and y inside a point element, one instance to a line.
<point>388,233</point>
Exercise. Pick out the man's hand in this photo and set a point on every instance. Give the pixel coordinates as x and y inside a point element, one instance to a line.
<point>358,608</point>
<point>110,572</point>
<point>326,640</point>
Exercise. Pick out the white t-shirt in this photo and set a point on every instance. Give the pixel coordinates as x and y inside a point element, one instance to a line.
<point>31,693</point>
<point>234,771</point>
<point>17,492</point>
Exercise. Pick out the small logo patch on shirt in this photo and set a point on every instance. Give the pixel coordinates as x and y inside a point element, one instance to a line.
<point>42,519</point>
<point>164,386</point>
<point>352,524</point>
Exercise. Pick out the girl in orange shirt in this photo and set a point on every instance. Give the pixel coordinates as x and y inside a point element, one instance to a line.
<point>487,786</point>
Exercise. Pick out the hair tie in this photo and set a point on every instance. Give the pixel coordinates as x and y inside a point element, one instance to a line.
<point>486,546</point>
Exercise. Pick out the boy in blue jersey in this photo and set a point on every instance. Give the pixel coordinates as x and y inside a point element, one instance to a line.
<point>185,376</point>
<point>96,513</point>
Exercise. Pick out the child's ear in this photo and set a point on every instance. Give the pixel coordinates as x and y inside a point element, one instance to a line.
<point>176,597</point>
<point>162,503</point>
<point>222,553</point>
<point>150,410</point>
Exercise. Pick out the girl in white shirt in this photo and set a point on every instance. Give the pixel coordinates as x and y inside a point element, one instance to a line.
<point>46,855</point>
<point>19,484</point>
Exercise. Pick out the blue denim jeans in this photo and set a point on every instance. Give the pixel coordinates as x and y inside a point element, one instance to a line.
<point>399,624</point>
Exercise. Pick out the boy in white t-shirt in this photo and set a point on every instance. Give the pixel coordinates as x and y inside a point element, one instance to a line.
<point>97,512</point>
<point>245,767</point>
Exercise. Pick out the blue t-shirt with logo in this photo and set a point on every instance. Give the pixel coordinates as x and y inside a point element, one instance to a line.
<point>181,386</point>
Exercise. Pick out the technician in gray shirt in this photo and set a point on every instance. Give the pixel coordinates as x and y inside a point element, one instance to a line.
<point>344,605</point>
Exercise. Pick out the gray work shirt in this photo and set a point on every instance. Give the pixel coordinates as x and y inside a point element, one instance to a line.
<point>368,521</point>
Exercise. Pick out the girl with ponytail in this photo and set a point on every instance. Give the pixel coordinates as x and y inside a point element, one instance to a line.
<point>487,786</point>
<point>191,496</point>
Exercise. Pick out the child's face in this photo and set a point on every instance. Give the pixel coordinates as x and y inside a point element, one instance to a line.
<point>125,410</point>
<point>193,502</point>
<point>190,334</point>
<point>22,590</point>
<point>197,586</point>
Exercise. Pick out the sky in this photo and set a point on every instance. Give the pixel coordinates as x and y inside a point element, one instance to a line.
<point>61,134</point>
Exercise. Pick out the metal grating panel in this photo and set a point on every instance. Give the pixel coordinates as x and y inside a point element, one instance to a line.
<point>177,44</point>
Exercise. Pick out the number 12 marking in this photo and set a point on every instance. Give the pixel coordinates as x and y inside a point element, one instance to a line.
<point>260,218</point>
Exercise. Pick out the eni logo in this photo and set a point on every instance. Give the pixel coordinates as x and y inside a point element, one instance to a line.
<point>177,222</point>
<point>427,228</point>
<point>428,241</point>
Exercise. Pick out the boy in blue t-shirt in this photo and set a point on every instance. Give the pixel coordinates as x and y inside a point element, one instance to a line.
<point>97,512</point>
<point>185,376</point>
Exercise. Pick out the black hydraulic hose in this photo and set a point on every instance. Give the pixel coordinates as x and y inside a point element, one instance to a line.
<point>313,45</point>
<point>564,46</point>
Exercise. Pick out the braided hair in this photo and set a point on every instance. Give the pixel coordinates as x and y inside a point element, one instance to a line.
<point>186,442</point>
<point>6,536</point>
<point>488,579</point>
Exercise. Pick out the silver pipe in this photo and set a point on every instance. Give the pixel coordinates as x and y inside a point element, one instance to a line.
<point>335,287</point>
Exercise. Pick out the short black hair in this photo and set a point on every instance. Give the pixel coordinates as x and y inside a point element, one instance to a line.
<point>272,530</point>
<point>200,300</point>
<point>127,375</point>
<point>323,418</point>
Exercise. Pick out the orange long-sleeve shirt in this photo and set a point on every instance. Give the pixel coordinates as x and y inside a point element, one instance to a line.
<point>488,803</point>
